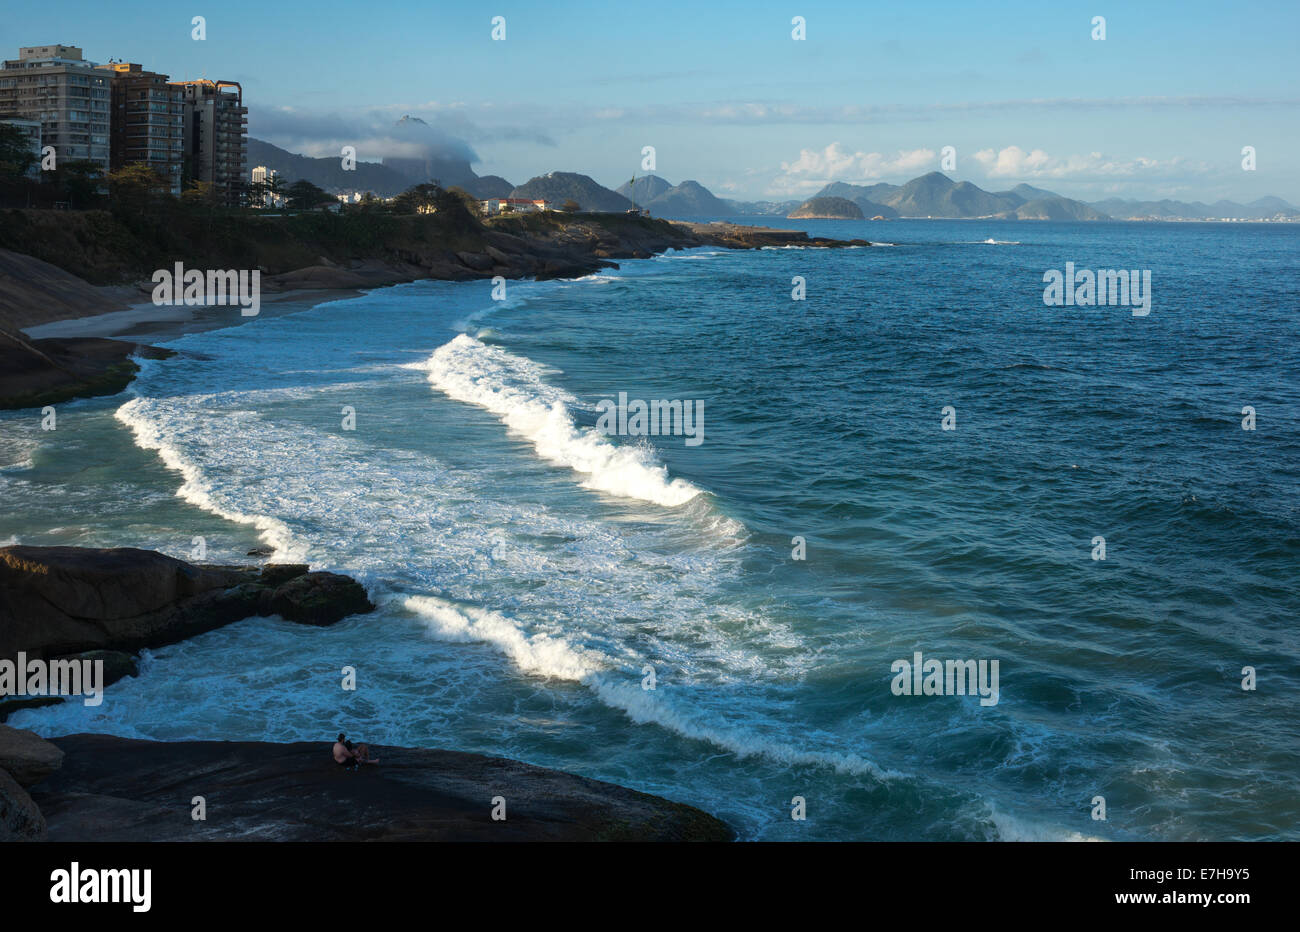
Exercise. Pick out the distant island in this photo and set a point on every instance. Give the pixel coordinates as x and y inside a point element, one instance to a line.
<point>827,208</point>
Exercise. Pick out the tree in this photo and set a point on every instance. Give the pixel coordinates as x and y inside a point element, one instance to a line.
<point>199,193</point>
<point>245,193</point>
<point>16,155</point>
<point>420,199</point>
<point>136,183</point>
<point>303,195</point>
<point>470,201</point>
<point>256,192</point>
<point>570,206</point>
<point>79,181</point>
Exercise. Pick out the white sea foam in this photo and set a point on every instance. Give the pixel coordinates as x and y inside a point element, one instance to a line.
<point>688,255</point>
<point>1015,828</point>
<point>512,388</point>
<point>147,419</point>
<point>18,444</point>
<point>549,655</point>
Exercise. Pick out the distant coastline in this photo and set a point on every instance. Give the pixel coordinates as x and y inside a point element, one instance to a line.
<point>929,196</point>
<point>61,266</point>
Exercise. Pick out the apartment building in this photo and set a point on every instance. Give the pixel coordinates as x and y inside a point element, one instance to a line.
<point>216,134</point>
<point>71,99</point>
<point>120,114</point>
<point>262,175</point>
<point>148,122</point>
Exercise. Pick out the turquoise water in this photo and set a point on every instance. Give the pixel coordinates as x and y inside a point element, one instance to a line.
<point>530,570</point>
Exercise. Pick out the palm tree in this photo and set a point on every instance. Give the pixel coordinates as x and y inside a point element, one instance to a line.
<point>273,186</point>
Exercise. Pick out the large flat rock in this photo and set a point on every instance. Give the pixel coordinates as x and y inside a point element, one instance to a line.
<point>118,789</point>
<point>56,601</point>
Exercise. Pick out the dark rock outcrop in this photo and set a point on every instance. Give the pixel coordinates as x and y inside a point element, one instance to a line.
<point>34,373</point>
<point>739,236</point>
<point>318,599</point>
<point>478,261</point>
<point>33,291</point>
<point>118,664</point>
<point>20,819</point>
<point>56,601</point>
<point>27,757</point>
<point>119,789</point>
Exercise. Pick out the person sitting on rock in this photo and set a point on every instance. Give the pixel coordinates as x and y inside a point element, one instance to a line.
<point>348,755</point>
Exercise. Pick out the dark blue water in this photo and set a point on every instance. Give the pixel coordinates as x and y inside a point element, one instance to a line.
<point>530,570</point>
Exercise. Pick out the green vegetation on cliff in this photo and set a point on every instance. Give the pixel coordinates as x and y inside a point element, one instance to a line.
<point>128,241</point>
<point>827,208</point>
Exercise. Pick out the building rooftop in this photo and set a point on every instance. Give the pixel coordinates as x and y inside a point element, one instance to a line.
<point>70,52</point>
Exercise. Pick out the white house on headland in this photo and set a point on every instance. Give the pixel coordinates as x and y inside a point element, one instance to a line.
<point>514,205</point>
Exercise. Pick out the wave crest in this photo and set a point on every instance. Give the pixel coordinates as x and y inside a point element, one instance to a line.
<point>512,388</point>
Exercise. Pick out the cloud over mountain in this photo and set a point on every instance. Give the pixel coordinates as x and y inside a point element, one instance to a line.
<point>814,169</point>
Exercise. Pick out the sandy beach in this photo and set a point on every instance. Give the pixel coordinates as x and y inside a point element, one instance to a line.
<point>146,322</point>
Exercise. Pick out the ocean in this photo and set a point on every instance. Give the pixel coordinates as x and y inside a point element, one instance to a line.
<point>535,576</point>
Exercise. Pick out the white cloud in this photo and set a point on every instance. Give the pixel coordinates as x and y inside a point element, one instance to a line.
<point>815,169</point>
<point>1015,162</point>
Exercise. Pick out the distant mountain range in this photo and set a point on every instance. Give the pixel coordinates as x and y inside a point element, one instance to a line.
<point>392,176</point>
<point>937,195</point>
<point>325,173</point>
<point>1266,208</point>
<point>688,199</point>
<point>931,195</point>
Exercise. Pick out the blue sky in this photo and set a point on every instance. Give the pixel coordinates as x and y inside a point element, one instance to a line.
<point>1161,108</point>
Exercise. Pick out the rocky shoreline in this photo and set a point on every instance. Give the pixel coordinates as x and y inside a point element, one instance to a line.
<point>38,372</point>
<point>57,601</point>
<point>85,605</point>
<point>115,789</point>
<point>35,373</point>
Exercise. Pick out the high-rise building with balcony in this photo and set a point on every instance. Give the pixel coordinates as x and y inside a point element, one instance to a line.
<point>148,122</point>
<point>68,96</point>
<point>216,131</point>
